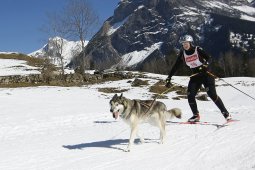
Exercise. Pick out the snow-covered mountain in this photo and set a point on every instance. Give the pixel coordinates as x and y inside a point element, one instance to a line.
<point>152,28</point>
<point>70,49</point>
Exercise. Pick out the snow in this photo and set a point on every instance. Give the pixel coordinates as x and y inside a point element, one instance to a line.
<point>135,57</point>
<point>139,7</point>
<point>236,40</point>
<point>248,11</point>
<point>216,4</point>
<point>245,9</point>
<point>246,17</point>
<point>72,128</point>
<point>16,67</point>
<point>116,26</point>
<point>189,11</point>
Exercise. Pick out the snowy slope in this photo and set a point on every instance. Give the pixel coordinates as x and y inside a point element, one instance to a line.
<point>16,67</point>
<point>135,57</point>
<point>63,128</point>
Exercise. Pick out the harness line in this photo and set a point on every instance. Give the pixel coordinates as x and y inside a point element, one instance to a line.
<point>216,77</point>
<point>168,89</point>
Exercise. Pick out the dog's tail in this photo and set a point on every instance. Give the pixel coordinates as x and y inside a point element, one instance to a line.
<point>175,112</point>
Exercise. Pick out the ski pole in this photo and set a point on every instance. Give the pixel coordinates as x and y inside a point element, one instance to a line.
<point>230,85</point>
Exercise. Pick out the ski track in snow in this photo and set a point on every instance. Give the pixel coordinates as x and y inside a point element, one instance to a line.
<point>72,128</point>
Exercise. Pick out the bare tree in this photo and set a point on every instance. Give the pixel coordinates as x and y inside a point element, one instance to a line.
<point>47,70</point>
<point>80,19</point>
<point>228,63</point>
<point>57,44</point>
<point>77,20</point>
<point>55,27</point>
<point>251,67</point>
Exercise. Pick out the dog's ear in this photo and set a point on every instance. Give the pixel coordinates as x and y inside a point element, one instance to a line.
<point>121,95</point>
<point>115,96</point>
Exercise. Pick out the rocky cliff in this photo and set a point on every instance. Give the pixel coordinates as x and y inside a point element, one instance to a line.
<point>142,33</point>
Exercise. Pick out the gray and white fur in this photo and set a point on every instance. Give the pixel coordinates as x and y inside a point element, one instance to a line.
<point>136,111</point>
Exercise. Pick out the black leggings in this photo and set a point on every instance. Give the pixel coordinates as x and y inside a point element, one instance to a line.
<point>209,84</point>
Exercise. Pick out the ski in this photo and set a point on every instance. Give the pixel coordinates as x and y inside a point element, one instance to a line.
<point>227,123</point>
<point>218,125</point>
<point>198,123</point>
<point>205,123</point>
<point>230,121</point>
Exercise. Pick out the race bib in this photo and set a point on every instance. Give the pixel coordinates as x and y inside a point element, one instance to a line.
<point>192,60</point>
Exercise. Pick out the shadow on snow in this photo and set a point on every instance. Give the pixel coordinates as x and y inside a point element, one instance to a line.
<point>99,144</point>
<point>104,122</point>
<point>106,144</point>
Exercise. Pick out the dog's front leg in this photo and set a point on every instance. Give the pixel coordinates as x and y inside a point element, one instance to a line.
<point>132,137</point>
<point>162,127</point>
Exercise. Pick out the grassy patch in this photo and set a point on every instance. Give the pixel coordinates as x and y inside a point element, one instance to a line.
<point>16,85</point>
<point>138,82</point>
<point>31,61</point>
<point>160,89</point>
<point>111,90</point>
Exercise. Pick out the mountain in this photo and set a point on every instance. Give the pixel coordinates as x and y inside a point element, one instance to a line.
<point>142,33</point>
<point>70,49</point>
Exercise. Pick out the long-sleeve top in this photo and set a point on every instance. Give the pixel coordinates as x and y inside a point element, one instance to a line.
<point>203,57</point>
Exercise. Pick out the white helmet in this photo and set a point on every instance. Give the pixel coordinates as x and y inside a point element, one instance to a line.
<point>186,38</point>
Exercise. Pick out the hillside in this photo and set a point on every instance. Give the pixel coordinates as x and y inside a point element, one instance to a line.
<point>19,64</point>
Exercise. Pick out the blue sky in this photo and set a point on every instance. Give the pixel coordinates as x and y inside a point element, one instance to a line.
<point>21,20</point>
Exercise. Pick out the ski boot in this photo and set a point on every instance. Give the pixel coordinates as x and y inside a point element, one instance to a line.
<point>194,118</point>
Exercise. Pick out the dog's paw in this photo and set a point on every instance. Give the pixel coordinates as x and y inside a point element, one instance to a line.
<point>161,142</point>
<point>127,150</point>
<point>142,140</point>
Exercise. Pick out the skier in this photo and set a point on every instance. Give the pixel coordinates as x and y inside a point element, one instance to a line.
<point>196,58</point>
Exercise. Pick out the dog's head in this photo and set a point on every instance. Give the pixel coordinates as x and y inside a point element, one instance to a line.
<point>117,105</point>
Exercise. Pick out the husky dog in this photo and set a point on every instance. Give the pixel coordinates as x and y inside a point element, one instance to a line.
<point>135,111</point>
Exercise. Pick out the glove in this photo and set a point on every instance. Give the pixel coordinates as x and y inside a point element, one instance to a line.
<point>168,82</point>
<point>203,68</point>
